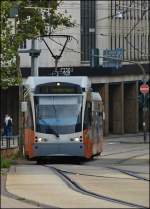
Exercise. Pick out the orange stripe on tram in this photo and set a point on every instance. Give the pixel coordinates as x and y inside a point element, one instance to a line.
<point>28,141</point>
<point>88,145</point>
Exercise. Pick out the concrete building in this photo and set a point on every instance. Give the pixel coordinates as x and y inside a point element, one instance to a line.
<point>102,25</point>
<point>98,24</point>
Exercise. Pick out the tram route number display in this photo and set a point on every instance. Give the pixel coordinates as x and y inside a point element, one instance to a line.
<point>58,88</point>
<point>63,90</point>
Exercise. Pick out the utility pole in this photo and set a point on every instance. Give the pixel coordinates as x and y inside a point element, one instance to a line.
<point>34,53</point>
<point>20,140</point>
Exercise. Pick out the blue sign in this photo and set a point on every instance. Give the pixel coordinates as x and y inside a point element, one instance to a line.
<point>112,58</point>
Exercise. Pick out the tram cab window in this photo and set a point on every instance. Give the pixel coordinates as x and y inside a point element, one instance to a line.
<point>87,115</point>
<point>61,114</point>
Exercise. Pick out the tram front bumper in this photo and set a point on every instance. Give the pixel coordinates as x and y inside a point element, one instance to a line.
<point>55,149</point>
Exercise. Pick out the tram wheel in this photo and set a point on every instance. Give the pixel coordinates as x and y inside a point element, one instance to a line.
<point>39,162</point>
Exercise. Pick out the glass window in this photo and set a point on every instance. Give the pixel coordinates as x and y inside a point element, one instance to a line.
<point>58,114</point>
<point>87,116</point>
<point>23,45</point>
<point>88,16</point>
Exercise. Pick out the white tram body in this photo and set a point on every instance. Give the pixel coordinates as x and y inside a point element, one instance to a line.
<point>63,118</point>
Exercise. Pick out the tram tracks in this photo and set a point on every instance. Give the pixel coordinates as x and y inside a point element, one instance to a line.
<point>129,173</point>
<point>91,175</point>
<point>76,187</point>
<point>126,151</point>
<point>122,162</point>
<point>73,184</point>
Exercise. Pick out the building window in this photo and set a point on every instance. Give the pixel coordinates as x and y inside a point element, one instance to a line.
<point>23,45</point>
<point>87,28</point>
<point>13,11</point>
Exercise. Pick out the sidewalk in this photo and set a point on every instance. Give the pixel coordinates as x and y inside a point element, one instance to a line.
<point>7,199</point>
<point>128,138</point>
<point>7,202</point>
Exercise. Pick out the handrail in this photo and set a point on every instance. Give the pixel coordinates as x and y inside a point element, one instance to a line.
<point>7,142</point>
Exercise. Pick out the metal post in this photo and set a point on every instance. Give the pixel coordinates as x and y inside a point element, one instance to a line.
<point>21,135</point>
<point>21,131</point>
<point>34,59</point>
<point>144,118</point>
<point>144,103</point>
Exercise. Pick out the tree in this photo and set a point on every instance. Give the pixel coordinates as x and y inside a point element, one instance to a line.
<point>29,22</point>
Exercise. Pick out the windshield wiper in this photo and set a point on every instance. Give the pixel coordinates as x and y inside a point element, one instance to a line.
<point>51,129</point>
<point>54,132</point>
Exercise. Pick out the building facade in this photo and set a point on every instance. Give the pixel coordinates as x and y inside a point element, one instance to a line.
<point>98,24</point>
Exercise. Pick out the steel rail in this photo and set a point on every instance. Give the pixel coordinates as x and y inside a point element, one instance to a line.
<point>129,173</point>
<point>76,187</point>
<point>131,158</point>
<point>130,150</point>
<point>91,175</point>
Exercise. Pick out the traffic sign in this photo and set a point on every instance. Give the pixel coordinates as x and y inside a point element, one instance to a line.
<point>144,88</point>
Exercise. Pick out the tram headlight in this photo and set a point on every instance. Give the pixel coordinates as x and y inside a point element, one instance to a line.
<point>76,139</point>
<point>39,139</point>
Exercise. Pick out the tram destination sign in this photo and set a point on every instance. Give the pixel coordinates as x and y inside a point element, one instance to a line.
<point>144,88</point>
<point>58,88</point>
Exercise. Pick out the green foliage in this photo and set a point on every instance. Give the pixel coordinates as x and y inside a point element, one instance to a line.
<point>29,22</point>
<point>17,156</point>
<point>5,163</point>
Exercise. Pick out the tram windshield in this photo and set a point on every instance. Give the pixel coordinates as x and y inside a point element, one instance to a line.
<point>58,114</point>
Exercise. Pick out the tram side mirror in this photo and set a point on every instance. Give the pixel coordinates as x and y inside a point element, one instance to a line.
<point>23,106</point>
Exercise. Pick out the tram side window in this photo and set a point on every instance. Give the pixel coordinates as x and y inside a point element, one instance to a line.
<point>87,116</point>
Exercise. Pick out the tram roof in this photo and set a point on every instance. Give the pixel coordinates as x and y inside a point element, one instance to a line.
<point>32,82</point>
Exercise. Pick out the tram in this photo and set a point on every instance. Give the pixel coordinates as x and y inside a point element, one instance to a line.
<point>63,117</point>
